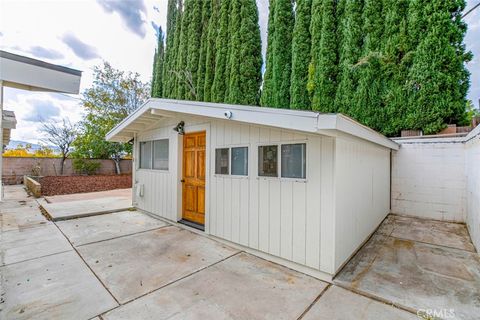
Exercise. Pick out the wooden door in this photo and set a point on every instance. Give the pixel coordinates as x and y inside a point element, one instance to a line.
<point>193,195</point>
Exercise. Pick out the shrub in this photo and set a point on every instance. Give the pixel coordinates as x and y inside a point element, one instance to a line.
<point>88,167</point>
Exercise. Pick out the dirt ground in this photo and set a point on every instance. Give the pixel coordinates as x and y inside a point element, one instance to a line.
<point>56,185</point>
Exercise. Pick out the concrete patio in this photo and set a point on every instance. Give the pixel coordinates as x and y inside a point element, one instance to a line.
<point>127,265</point>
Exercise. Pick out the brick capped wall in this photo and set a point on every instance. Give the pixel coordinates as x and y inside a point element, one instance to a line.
<point>15,168</point>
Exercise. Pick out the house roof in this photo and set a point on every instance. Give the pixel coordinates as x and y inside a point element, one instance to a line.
<point>305,121</point>
<point>31,74</point>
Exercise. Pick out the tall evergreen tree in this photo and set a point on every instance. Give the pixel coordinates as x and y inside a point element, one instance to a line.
<point>301,43</point>
<point>316,36</point>
<point>266,99</point>
<point>154,69</point>
<point>195,33</point>
<point>202,58</point>
<point>234,59</point>
<point>169,48</point>
<point>157,82</point>
<point>438,79</point>
<point>220,80</point>
<point>210,57</point>
<point>181,72</point>
<point>250,53</point>
<point>351,35</point>
<point>172,69</point>
<point>326,65</point>
<point>368,107</point>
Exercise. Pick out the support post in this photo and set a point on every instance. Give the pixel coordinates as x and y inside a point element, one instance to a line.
<point>1,134</point>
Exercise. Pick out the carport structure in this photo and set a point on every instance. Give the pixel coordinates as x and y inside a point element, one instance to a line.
<point>25,73</point>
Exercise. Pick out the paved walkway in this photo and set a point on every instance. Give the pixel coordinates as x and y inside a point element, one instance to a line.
<point>128,265</point>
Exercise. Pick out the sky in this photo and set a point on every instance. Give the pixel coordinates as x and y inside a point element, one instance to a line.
<point>82,33</point>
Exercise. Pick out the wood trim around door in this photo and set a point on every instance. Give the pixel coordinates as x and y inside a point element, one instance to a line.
<point>193,177</point>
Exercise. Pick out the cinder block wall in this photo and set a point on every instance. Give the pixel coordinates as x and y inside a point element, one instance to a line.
<point>428,179</point>
<point>15,168</point>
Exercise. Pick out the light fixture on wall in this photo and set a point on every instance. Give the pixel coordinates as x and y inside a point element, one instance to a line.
<point>180,127</point>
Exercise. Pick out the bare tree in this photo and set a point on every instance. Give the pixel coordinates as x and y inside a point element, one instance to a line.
<point>60,135</point>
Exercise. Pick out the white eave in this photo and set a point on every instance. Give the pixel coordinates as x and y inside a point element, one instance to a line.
<point>35,75</point>
<point>306,121</point>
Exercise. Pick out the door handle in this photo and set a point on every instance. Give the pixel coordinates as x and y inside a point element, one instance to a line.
<point>183,180</point>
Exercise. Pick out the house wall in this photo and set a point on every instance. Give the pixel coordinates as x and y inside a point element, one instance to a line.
<point>287,218</point>
<point>428,179</point>
<point>472,170</point>
<point>362,193</point>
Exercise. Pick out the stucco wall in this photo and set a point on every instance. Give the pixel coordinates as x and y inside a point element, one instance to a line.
<point>428,179</point>
<point>15,168</point>
<point>472,166</point>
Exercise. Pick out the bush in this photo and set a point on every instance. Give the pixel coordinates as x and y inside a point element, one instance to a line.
<point>88,167</point>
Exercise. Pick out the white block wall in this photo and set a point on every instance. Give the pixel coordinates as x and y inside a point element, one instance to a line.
<point>472,170</point>
<point>428,179</point>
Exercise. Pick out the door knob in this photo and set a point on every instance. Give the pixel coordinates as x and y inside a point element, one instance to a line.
<point>183,180</point>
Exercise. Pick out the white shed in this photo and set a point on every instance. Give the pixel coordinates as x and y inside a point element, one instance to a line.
<point>300,188</point>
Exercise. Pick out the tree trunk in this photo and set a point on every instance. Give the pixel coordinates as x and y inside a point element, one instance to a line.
<point>117,165</point>
<point>62,165</point>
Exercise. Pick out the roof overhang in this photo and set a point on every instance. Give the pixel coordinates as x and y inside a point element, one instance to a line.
<point>305,121</point>
<point>9,122</point>
<point>30,74</point>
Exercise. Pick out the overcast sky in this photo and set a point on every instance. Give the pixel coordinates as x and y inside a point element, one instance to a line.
<point>81,33</point>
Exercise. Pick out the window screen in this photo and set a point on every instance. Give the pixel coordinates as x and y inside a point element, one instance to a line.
<point>294,160</point>
<point>221,161</point>
<point>146,154</point>
<point>160,154</point>
<point>240,161</point>
<point>267,161</point>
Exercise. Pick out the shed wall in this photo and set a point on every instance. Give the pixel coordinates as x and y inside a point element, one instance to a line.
<point>362,184</point>
<point>287,218</point>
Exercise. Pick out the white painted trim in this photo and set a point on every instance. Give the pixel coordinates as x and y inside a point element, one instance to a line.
<point>305,121</point>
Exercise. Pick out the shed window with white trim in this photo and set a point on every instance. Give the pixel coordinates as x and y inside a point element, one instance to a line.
<point>268,161</point>
<point>221,161</point>
<point>294,163</point>
<point>146,155</point>
<point>160,154</point>
<point>240,161</point>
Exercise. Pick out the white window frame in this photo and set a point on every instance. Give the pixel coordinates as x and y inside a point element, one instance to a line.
<point>230,175</point>
<point>151,140</point>
<point>153,155</point>
<point>279,161</point>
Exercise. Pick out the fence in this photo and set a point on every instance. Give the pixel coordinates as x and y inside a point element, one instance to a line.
<point>15,168</point>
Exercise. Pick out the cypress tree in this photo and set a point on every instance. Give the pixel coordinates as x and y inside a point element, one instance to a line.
<point>193,44</point>
<point>367,107</point>
<point>234,59</point>
<point>326,64</point>
<point>221,80</point>
<point>172,72</point>
<point>181,71</point>
<point>282,53</point>
<point>202,59</point>
<point>394,68</point>
<point>157,91</point>
<point>250,54</point>
<point>350,25</point>
<point>169,48</point>
<point>438,80</point>
<point>266,99</point>
<point>210,57</point>
<point>316,36</point>
<point>154,69</point>
<point>301,42</point>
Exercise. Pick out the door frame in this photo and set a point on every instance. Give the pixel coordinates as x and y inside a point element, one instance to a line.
<point>192,129</point>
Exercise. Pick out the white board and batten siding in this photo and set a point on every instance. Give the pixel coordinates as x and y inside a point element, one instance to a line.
<point>362,183</point>
<point>286,218</point>
<point>317,222</point>
<point>472,171</point>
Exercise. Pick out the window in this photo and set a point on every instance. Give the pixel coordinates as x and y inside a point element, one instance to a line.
<point>267,161</point>
<point>146,155</point>
<point>240,161</point>
<point>294,160</point>
<point>160,154</point>
<point>221,161</point>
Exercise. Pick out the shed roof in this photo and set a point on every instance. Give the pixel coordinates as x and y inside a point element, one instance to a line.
<point>31,74</point>
<point>306,121</point>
